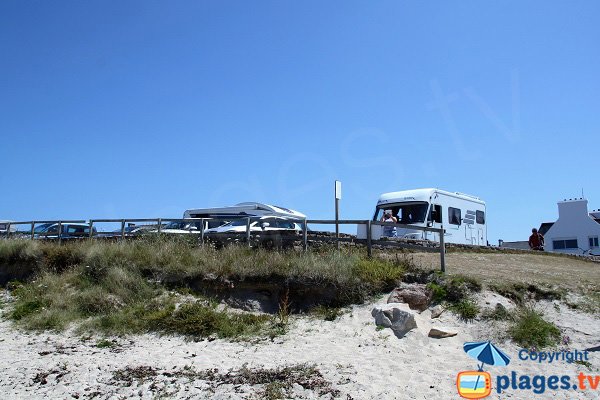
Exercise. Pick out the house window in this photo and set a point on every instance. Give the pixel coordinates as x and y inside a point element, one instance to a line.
<point>454,215</point>
<point>480,217</point>
<point>593,241</point>
<point>565,244</point>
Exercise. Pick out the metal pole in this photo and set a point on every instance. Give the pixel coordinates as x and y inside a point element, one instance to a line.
<point>202,232</point>
<point>32,230</point>
<point>305,235</point>
<point>248,231</point>
<point>369,243</point>
<point>442,250</point>
<point>91,233</point>
<point>59,232</point>
<point>337,225</point>
<point>159,225</point>
<point>122,229</point>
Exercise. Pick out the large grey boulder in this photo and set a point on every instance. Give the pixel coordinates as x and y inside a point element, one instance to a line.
<point>416,295</point>
<point>396,316</point>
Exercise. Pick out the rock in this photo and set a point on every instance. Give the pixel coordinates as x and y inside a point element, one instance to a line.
<point>437,311</point>
<point>416,295</point>
<point>396,316</point>
<point>440,332</point>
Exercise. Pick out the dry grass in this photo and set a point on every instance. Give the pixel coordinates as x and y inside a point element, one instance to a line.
<point>499,268</point>
<point>127,287</point>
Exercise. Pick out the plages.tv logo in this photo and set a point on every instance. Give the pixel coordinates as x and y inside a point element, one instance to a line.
<point>478,384</point>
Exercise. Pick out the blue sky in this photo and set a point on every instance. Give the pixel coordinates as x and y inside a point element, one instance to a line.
<point>146,108</point>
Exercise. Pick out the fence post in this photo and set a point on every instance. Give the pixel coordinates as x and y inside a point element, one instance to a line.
<point>202,232</point>
<point>305,236</point>
<point>369,243</point>
<point>59,232</point>
<point>91,234</point>
<point>8,230</point>
<point>122,229</point>
<point>159,225</point>
<point>442,250</point>
<point>248,231</point>
<point>32,230</point>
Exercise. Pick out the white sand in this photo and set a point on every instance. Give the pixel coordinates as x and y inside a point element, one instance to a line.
<point>359,360</point>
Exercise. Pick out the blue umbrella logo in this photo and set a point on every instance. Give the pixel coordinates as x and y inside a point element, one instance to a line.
<point>487,353</point>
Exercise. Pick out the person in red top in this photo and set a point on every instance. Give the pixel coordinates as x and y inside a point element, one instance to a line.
<point>536,240</point>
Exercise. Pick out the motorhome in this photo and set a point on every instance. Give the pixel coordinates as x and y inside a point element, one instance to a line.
<point>462,216</point>
<point>223,215</point>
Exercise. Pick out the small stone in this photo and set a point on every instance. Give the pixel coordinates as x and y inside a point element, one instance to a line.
<point>441,332</point>
<point>437,311</point>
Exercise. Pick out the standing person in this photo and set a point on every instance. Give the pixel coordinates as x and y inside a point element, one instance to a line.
<point>536,240</point>
<point>389,231</point>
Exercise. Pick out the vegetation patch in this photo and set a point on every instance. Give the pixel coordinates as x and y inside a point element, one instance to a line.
<point>520,293</point>
<point>274,383</point>
<point>327,313</point>
<point>499,313</point>
<point>456,291</point>
<point>531,330</point>
<point>467,309</point>
<point>144,285</point>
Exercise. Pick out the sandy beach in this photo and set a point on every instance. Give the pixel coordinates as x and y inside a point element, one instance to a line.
<point>357,360</point>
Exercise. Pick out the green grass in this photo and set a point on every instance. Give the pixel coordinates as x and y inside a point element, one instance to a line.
<point>143,286</point>
<point>467,309</point>
<point>327,313</point>
<point>520,292</point>
<point>531,330</point>
<point>499,313</point>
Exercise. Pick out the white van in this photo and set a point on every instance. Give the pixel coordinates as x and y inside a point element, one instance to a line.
<point>461,215</point>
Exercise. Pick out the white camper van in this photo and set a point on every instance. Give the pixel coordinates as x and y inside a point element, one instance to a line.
<point>461,215</point>
<point>223,215</point>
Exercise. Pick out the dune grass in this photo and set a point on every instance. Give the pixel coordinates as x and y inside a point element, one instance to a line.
<point>141,286</point>
<point>529,329</point>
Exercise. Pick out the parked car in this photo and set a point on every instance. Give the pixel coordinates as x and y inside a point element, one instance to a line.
<point>259,225</point>
<point>67,231</point>
<point>4,227</point>
<point>181,227</point>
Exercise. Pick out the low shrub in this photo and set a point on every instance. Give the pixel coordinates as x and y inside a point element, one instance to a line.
<point>520,293</point>
<point>466,309</point>
<point>531,330</point>
<point>499,313</point>
<point>196,320</point>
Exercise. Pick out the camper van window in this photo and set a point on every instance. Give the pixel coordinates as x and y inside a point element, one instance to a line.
<point>435,213</point>
<point>454,215</point>
<point>480,217</point>
<point>406,213</point>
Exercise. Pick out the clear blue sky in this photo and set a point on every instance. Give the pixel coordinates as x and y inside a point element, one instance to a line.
<point>146,108</point>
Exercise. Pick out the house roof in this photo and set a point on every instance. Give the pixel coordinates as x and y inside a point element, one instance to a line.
<point>545,227</point>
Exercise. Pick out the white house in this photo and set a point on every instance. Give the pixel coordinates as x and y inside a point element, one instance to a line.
<point>576,231</point>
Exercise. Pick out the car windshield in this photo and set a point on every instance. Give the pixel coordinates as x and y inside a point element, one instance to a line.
<point>405,213</point>
<point>237,222</point>
<point>41,228</point>
<point>177,225</point>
